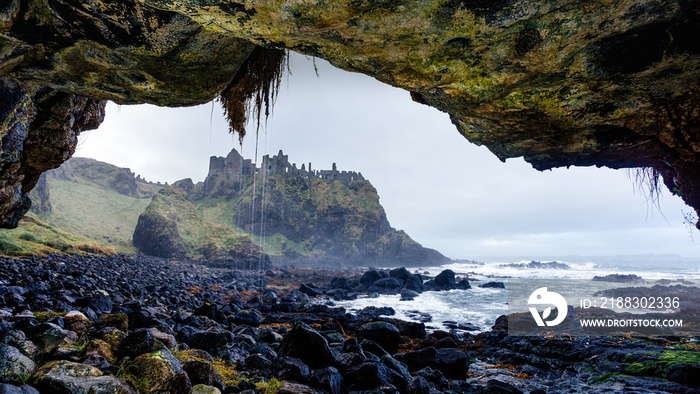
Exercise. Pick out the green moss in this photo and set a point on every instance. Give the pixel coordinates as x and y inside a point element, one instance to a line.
<point>659,363</point>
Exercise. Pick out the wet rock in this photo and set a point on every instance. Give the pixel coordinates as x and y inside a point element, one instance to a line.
<point>310,290</point>
<point>307,344</point>
<point>46,336</point>
<point>369,277</point>
<point>327,379</point>
<point>14,366</point>
<point>70,377</point>
<point>202,371</point>
<point>384,334</point>
<point>98,347</point>
<point>418,359</point>
<point>119,321</point>
<point>400,274</point>
<point>99,302</point>
<point>138,342</point>
<point>204,389</point>
<point>295,388</point>
<point>494,386</point>
<point>372,348</point>
<point>493,285</point>
<point>418,385</point>
<point>248,317</point>
<point>386,286</point>
<point>408,295</point>
<point>162,371</point>
<point>6,388</point>
<point>289,368</point>
<point>257,361</point>
<point>453,363</point>
<point>367,375</point>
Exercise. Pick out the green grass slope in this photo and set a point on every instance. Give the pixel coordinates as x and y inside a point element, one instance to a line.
<point>95,200</point>
<point>34,237</point>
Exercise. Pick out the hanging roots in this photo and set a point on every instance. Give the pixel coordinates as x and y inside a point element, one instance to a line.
<point>254,88</point>
<point>648,181</point>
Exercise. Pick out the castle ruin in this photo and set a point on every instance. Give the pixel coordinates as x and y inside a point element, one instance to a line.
<point>234,167</point>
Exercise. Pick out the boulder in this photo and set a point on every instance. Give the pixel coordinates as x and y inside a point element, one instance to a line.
<point>248,317</point>
<point>14,366</point>
<point>369,277</point>
<point>289,368</point>
<point>327,379</point>
<point>386,286</point>
<point>418,359</point>
<point>400,274</point>
<point>367,376</point>
<point>138,342</point>
<point>162,372</point>
<point>452,363</point>
<point>70,377</point>
<point>384,334</point>
<point>418,385</point>
<point>445,280</point>
<point>46,336</point>
<point>493,285</point>
<point>408,295</point>
<point>204,389</point>
<point>6,388</point>
<point>307,344</point>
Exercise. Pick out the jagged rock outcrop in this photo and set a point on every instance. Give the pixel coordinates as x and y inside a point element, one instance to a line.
<point>171,227</point>
<point>39,130</point>
<point>561,83</point>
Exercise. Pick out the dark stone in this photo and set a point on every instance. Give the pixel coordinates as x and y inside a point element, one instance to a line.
<point>309,290</point>
<point>345,361</point>
<point>418,359</point>
<point>493,285</point>
<point>258,361</point>
<point>138,342</point>
<point>202,372</point>
<point>307,344</point>
<point>400,274</point>
<point>384,334</point>
<point>209,340</point>
<point>418,385</point>
<point>371,347</point>
<point>415,283</point>
<point>47,336</point>
<point>685,374</point>
<point>340,283</point>
<point>408,295</point>
<point>100,303</point>
<point>445,280</point>
<point>464,284</point>
<point>386,286</point>
<point>289,368</point>
<point>369,277</point>
<point>453,363</point>
<point>494,386</point>
<point>248,317</point>
<point>367,375</point>
<point>328,379</point>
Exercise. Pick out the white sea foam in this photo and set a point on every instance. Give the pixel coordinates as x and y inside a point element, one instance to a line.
<point>480,306</point>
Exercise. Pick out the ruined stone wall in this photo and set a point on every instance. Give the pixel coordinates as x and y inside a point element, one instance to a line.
<point>234,167</point>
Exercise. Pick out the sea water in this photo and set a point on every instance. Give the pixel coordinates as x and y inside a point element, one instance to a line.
<point>481,307</point>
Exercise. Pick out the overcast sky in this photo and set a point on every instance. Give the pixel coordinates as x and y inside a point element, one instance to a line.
<point>445,192</point>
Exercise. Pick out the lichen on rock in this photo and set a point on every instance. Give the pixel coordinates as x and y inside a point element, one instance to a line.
<point>607,83</point>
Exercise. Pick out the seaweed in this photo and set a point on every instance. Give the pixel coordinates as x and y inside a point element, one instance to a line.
<point>254,88</point>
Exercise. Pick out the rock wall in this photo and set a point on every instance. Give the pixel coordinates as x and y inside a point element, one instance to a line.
<point>606,83</point>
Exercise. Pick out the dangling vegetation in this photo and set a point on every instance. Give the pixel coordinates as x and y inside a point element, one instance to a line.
<point>647,180</point>
<point>254,88</point>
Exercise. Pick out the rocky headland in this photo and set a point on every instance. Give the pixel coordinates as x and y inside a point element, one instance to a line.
<point>167,326</point>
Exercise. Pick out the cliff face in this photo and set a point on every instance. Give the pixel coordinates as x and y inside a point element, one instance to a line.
<point>607,83</point>
<point>171,227</point>
<point>325,214</point>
